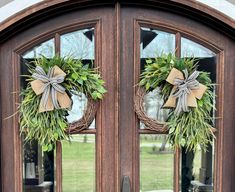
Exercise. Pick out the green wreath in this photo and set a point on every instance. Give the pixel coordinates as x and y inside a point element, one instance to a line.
<point>42,114</point>
<point>187,126</point>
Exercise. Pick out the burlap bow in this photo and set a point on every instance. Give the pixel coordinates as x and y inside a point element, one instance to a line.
<point>186,90</point>
<point>53,94</point>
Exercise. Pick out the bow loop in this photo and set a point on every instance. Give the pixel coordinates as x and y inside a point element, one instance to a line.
<point>185,91</point>
<point>39,70</point>
<point>49,85</point>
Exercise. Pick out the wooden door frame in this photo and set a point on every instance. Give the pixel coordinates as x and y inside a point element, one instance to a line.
<point>105,60</point>
<point>16,26</point>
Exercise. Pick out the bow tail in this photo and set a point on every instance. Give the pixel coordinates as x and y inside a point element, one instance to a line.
<point>178,108</point>
<point>182,104</point>
<point>191,100</point>
<point>54,98</point>
<point>185,102</point>
<point>171,101</point>
<point>64,100</point>
<point>46,102</point>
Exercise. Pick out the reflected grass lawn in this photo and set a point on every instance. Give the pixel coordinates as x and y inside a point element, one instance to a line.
<point>78,164</point>
<point>156,169</point>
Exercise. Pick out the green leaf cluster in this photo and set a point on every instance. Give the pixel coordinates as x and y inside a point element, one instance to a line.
<point>190,129</point>
<point>48,127</point>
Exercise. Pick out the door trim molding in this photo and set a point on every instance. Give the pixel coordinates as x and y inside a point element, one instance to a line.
<point>49,8</point>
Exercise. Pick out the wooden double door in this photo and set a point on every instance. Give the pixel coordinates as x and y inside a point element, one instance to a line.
<point>122,37</point>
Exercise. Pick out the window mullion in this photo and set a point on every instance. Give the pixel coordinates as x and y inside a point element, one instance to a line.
<point>177,151</point>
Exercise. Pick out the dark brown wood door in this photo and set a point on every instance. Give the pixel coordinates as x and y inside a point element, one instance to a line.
<point>124,36</point>
<point>149,34</point>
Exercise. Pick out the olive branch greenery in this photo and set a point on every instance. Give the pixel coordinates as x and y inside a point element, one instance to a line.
<point>189,129</point>
<point>48,127</point>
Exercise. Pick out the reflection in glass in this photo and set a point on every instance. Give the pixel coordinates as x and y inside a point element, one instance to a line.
<point>78,109</point>
<point>79,44</point>
<point>38,166</point>
<point>156,163</point>
<point>197,168</point>
<point>37,169</point>
<point>153,44</point>
<point>153,103</point>
<point>78,164</point>
<point>190,48</point>
<point>205,58</point>
<point>46,49</point>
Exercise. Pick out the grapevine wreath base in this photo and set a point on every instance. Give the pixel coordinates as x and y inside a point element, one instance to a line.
<point>87,118</point>
<point>150,123</point>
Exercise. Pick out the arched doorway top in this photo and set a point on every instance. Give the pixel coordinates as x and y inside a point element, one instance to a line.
<point>49,8</point>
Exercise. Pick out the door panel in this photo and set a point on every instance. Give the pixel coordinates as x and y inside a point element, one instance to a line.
<point>104,26</point>
<point>133,52</point>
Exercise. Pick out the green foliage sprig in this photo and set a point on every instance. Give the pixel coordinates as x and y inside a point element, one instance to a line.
<point>189,129</point>
<point>48,127</point>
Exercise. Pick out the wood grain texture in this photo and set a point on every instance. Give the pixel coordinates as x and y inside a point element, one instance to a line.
<point>177,155</point>
<point>58,185</point>
<point>104,60</point>
<point>62,4</point>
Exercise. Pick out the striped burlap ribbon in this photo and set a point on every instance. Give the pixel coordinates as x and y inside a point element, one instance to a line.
<point>186,90</point>
<point>49,85</point>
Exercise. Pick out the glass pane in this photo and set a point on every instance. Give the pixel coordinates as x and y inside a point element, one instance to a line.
<point>190,48</point>
<point>38,166</point>
<point>156,163</point>
<point>197,168</point>
<point>78,164</point>
<point>153,44</point>
<point>46,49</point>
<point>153,107</point>
<point>79,45</point>
<point>206,58</point>
<point>78,109</point>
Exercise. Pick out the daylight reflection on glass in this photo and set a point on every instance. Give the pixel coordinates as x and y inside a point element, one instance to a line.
<point>153,103</point>
<point>46,49</point>
<point>38,166</point>
<point>78,109</point>
<point>78,164</point>
<point>79,45</point>
<point>197,168</point>
<point>153,44</point>
<point>156,164</point>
